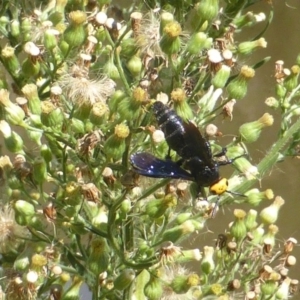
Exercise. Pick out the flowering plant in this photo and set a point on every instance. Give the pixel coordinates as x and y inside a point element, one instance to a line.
<point>78,81</point>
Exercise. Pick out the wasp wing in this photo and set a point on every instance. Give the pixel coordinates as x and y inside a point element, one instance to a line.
<point>149,165</point>
<point>196,143</point>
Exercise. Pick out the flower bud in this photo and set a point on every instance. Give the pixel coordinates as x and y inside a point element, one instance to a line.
<point>111,70</point>
<point>39,170</point>
<point>157,207</point>
<point>74,289</point>
<point>115,99</point>
<point>3,80</point>
<point>32,277</point>
<point>257,235</point>
<point>255,196</point>
<point>207,263</point>
<point>250,220</point>
<point>78,225</point>
<point>244,20</point>
<point>15,29</point>
<point>215,59</point>
<point>238,229</point>
<point>179,232</point>
<point>77,126</point>
<point>249,47</point>
<point>291,81</point>
<point>130,108</point>
<point>14,114</point>
<point>114,146</point>
<point>209,100</point>
<point>108,176</point>
<point>283,291</point>
<point>82,111</point>
<point>98,260</point>
<point>38,261</point>
<point>124,279</point>
<point>35,136</point>
<point>64,48</point>
<point>50,39</point>
<point>153,288</point>
<point>269,287</point>
<point>182,217</point>
<point>204,13</point>
<point>198,42</point>
<point>182,283</point>
<point>75,34</point>
<point>250,132</point>
<point>99,113</point>
<point>14,182</point>
<point>26,28</point>
<point>13,142</point>
<point>170,42</point>
<point>181,106</point>
<point>32,50</point>
<point>4,22</point>
<point>10,60</point>
<point>51,116</point>
<point>221,77</point>
<point>188,256</point>
<point>22,262</point>
<point>129,49</point>
<point>165,19</point>
<point>30,68</point>
<point>135,65</point>
<point>211,130</point>
<point>23,103</point>
<point>269,214</point>
<point>289,245</point>
<point>125,207</point>
<point>290,261</point>
<point>237,88</point>
<point>272,102</point>
<point>139,96</point>
<point>101,18</point>
<point>158,136</point>
<point>244,166</point>
<point>270,235</point>
<point>72,195</point>
<point>31,94</point>
<point>100,219</point>
<point>217,290</point>
<point>24,212</point>
<point>280,90</point>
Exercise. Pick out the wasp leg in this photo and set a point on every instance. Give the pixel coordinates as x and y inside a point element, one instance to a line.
<point>168,156</point>
<point>229,161</point>
<point>222,153</point>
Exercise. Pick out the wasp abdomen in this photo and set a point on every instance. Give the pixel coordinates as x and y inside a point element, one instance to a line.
<point>172,126</point>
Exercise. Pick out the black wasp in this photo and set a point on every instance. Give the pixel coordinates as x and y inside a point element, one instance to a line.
<point>198,163</point>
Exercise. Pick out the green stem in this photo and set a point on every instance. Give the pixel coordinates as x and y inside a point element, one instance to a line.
<point>118,63</point>
<point>200,82</point>
<point>268,161</point>
<point>121,72</point>
<point>153,188</point>
<point>79,244</point>
<point>113,242</point>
